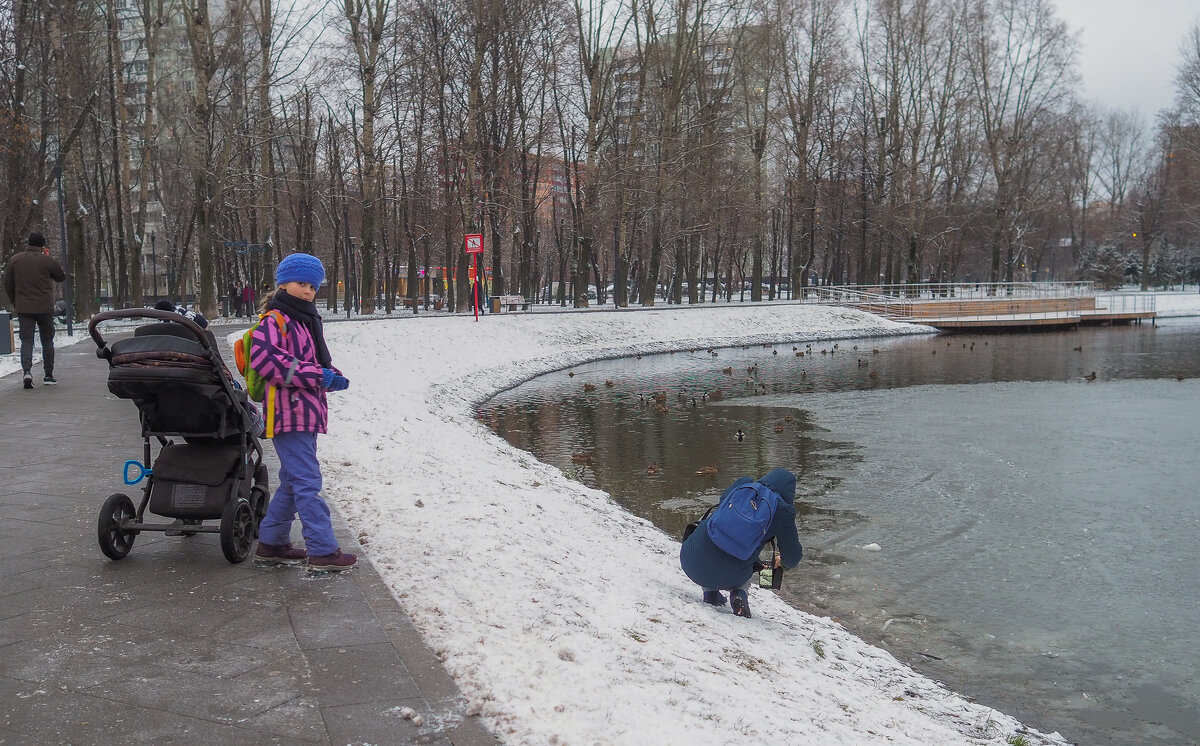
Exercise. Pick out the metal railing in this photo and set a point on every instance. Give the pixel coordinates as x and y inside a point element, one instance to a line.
<point>1008,301</point>
<point>929,291</point>
<point>1125,303</point>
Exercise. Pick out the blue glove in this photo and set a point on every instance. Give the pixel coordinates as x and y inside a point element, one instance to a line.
<point>332,381</point>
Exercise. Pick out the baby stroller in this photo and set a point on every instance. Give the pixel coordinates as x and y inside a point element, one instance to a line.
<point>173,372</point>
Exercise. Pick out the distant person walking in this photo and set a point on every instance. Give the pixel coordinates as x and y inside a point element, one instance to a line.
<point>235,300</point>
<point>247,300</point>
<point>29,283</point>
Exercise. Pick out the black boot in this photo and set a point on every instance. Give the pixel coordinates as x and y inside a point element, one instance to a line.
<point>739,602</point>
<point>716,598</point>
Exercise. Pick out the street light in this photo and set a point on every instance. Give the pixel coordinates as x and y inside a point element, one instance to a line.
<point>154,263</point>
<point>66,257</point>
<point>348,249</point>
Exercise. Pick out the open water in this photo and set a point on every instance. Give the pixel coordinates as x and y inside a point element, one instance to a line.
<point>972,503</point>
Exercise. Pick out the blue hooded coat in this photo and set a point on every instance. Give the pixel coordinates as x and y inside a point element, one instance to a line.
<point>710,567</point>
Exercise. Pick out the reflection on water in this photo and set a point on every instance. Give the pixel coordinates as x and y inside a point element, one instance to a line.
<point>1039,532</point>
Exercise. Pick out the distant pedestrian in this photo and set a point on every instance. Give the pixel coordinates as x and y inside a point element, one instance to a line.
<point>247,300</point>
<point>235,300</point>
<point>29,283</point>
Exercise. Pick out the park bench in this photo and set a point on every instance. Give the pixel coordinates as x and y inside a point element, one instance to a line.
<point>503,303</point>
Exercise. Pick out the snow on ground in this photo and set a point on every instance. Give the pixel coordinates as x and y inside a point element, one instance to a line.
<point>1180,303</point>
<point>1185,302</point>
<point>564,618</point>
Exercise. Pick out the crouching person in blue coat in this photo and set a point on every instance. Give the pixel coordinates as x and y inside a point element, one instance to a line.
<point>715,569</point>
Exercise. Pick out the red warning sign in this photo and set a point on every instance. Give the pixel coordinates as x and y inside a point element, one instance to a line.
<point>474,243</point>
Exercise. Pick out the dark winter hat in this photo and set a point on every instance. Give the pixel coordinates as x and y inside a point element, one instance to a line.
<point>36,239</point>
<point>782,481</point>
<point>165,305</point>
<point>300,268</point>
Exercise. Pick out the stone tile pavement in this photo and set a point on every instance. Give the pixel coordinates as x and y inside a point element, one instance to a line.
<point>173,644</point>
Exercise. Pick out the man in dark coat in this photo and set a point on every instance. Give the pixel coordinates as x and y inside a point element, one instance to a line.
<point>29,283</point>
<point>715,570</point>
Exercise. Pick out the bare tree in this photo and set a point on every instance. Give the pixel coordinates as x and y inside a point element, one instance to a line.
<point>1020,60</point>
<point>74,101</point>
<point>368,20</point>
<point>600,32</point>
<point>1078,176</point>
<point>26,117</point>
<point>1122,149</point>
<point>1187,80</point>
<point>1152,192</point>
<point>212,47</point>
<point>808,46</point>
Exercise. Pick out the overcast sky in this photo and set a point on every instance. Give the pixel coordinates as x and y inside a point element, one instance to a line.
<point>1129,49</point>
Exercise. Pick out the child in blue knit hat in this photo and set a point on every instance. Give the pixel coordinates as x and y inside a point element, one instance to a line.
<point>295,363</point>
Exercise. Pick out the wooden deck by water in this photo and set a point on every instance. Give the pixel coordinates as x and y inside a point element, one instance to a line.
<point>961,306</point>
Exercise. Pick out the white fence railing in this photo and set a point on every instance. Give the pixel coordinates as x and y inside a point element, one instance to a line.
<point>1114,303</point>
<point>1008,301</point>
<point>854,294</point>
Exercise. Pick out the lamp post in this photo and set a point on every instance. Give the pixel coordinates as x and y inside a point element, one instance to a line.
<point>349,250</point>
<point>425,280</point>
<point>154,263</point>
<point>66,257</point>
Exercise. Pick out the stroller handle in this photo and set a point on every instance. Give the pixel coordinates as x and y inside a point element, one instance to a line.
<point>143,313</point>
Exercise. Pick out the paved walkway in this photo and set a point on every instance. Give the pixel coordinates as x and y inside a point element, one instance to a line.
<point>173,644</point>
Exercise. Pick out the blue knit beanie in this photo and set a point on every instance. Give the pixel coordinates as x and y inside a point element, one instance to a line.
<point>300,268</point>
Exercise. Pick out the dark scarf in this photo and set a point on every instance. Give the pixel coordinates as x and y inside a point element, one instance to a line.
<point>305,312</point>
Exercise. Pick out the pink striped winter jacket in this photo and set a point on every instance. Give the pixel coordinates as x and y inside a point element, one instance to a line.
<point>290,365</point>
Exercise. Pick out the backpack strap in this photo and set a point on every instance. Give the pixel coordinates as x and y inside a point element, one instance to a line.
<point>691,527</point>
<point>280,320</point>
<point>270,395</point>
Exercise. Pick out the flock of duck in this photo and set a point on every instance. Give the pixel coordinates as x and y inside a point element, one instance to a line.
<point>657,401</point>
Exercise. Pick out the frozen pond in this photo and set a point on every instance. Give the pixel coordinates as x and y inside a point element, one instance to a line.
<point>1038,534</point>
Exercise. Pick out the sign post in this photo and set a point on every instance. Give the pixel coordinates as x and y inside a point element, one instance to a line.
<point>474,245</point>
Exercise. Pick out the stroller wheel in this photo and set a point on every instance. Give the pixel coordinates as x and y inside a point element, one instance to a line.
<point>258,505</point>
<point>237,530</point>
<point>115,541</point>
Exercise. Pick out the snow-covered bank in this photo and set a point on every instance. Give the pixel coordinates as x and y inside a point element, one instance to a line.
<point>1181,303</point>
<point>563,618</point>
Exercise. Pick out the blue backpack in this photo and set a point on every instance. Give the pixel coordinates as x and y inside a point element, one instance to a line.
<point>740,523</point>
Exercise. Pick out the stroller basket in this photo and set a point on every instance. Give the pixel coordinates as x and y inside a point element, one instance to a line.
<point>195,481</point>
